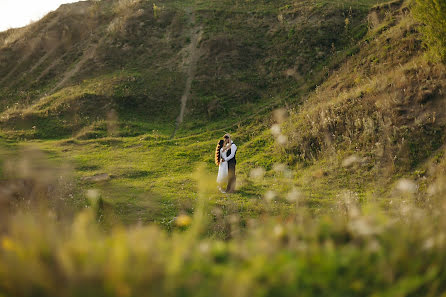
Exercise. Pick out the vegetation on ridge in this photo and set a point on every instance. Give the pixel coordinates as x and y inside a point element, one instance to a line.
<point>432,15</point>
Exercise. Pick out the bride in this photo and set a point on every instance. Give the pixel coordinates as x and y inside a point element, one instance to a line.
<point>220,154</point>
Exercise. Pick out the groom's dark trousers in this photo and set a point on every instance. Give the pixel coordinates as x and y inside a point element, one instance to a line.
<point>231,176</point>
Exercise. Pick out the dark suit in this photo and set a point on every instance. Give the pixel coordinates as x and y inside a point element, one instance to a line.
<point>231,172</point>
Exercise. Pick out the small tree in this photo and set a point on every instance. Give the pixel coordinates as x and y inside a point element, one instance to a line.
<point>432,15</point>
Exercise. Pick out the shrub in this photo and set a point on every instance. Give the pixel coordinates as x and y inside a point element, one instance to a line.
<point>432,14</point>
<point>122,6</point>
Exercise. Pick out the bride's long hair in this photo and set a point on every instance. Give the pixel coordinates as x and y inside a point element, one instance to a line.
<point>217,152</point>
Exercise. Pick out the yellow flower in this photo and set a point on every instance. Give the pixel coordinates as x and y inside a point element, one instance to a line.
<point>8,244</point>
<point>183,220</point>
<point>279,231</point>
<point>357,285</point>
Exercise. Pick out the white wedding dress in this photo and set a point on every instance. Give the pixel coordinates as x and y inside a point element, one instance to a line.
<point>222,176</point>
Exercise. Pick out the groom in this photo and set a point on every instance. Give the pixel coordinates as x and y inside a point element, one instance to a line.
<point>231,163</point>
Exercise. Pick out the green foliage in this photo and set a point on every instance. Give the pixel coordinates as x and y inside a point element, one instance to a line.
<point>137,52</point>
<point>432,15</point>
<point>353,251</point>
<point>351,111</point>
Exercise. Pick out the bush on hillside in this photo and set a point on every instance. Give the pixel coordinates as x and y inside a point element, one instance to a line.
<point>432,14</point>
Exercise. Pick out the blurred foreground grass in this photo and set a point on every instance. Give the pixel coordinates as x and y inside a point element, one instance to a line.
<point>356,249</point>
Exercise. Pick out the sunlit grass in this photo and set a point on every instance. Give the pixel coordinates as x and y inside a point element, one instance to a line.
<point>323,207</point>
<point>355,250</point>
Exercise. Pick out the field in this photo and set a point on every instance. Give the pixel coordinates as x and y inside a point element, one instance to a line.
<point>108,138</point>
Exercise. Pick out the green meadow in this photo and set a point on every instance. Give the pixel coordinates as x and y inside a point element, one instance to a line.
<point>110,113</point>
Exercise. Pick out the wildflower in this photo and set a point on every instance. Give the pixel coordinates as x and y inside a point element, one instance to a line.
<point>204,247</point>
<point>234,219</point>
<point>429,244</point>
<point>183,220</point>
<point>280,115</point>
<point>373,246</point>
<point>279,231</point>
<point>217,212</point>
<point>92,194</point>
<point>406,186</point>
<point>8,244</point>
<point>282,139</point>
<point>257,173</point>
<point>279,167</point>
<point>156,10</point>
<point>357,285</point>
<point>293,196</point>
<point>362,227</point>
<point>275,130</point>
<point>270,195</point>
<point>350,161</point>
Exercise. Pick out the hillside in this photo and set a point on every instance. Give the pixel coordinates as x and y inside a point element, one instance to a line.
<point>110,112</point>
<point>117,72</point>
<point>127,91</point>
<point>379,116</point>
<point>86,59</point>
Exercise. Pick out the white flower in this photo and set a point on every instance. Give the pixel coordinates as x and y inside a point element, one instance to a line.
<point>350,161</point>
<point>294,195</point>
<point>92,194</point>
<point>279,167</point>
<point>280,115</point>
<point>406,186</point>
<point>204,247</point>
<point>361,227</point>
<point>257,173</point>
<point>275,130</point>
<point>279,231</point>
<point>270,195</point>
<point>282,139</point>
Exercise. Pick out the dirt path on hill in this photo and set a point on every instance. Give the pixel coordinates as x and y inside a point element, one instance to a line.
<point>191,62</point>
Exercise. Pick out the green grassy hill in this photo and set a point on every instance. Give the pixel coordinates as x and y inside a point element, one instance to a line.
<point>110,112</point>
<point>101,83</point>
<point>377,117</point>
<point>86,59</point>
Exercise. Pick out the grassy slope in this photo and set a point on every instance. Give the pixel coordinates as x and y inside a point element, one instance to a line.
<point>352,250</point>
<point>382,108</point>
<point>242,67</point>
<point>131,59</point>
<point>241,77</point>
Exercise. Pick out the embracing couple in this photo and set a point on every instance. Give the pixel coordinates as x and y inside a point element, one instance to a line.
<point>225,159</point>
